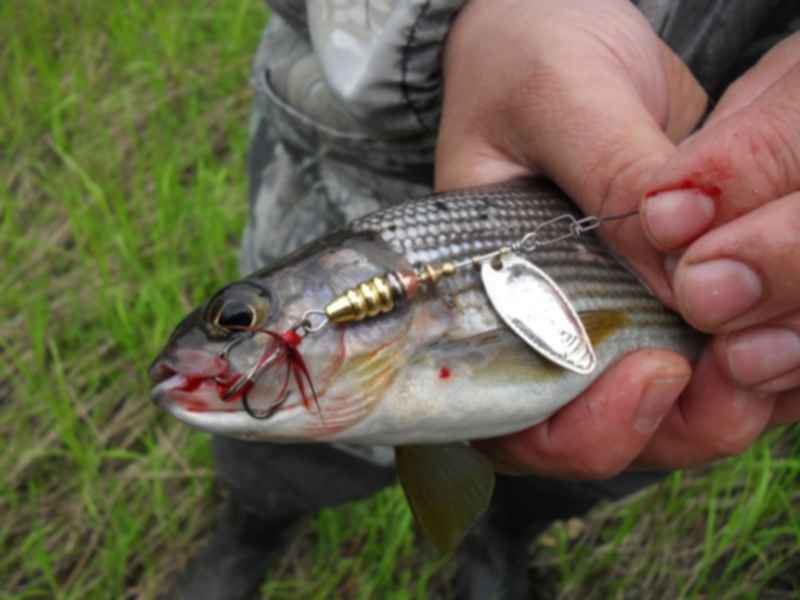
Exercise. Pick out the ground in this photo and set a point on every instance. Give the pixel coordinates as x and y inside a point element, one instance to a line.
<point>123,132</point>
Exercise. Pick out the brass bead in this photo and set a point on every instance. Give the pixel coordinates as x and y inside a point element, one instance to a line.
<point>380,294</point>
<point>367,299</point>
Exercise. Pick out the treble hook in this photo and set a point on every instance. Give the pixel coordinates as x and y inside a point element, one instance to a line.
<point>284,346</point>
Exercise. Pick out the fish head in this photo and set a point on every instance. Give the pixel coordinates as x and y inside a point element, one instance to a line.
<point>244,364</point>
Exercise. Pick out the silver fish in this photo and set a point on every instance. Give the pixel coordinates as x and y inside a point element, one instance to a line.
<point>439,370</point>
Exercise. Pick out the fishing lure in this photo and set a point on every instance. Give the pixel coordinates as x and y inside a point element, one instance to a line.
<point>524,296</point>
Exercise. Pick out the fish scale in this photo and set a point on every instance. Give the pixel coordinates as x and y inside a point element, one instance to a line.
<point>480,220</point>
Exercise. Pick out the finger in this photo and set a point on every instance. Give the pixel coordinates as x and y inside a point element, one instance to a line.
<point>787,409</point>
<point>713,419</point>
<point>602,431</point>
<point>731,166</point>
<point>744,272</point>
<point>765,358</point>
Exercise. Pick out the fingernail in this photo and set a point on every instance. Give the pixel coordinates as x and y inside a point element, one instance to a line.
<point>716,291</point>
<point>658,398</point>
<point>760,355</point>
<point>675,218</point>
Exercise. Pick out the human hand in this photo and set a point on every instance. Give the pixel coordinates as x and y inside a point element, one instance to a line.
<point>731,228</point>
<point>585,93</point>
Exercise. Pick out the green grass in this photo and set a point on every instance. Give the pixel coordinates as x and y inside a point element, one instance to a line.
<point>123,134</point>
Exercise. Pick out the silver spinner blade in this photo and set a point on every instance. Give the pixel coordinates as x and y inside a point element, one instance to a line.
<point>538,311</point>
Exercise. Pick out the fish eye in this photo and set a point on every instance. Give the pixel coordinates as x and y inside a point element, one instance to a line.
<point>240,307</point>
<point>235,315</point>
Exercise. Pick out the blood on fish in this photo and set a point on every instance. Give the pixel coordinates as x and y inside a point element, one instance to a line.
<point>192,383</point>
<point>223,383</point>
<point>444,373</point>
<point>194,405</point>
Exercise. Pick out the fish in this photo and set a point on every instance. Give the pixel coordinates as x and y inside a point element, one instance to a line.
<point>430,374</point>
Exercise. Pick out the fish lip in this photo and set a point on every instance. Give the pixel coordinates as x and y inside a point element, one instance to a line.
<point>160,371</point>
<point>230,424</point>
<point>189,363</point>
<point>160,392</point>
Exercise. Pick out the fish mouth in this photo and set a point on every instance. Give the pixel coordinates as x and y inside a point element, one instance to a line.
<point>193,394</point>
<point>167,382</point>
<point>198,386</point>
<point>194,364</point>
<point>198,403</point>
<point>231,421</point>
<point>236,424</point>
<point>198,394</point>
<point>203,391</point>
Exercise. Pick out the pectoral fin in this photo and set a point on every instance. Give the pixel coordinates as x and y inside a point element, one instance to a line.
<point>448,487</point>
